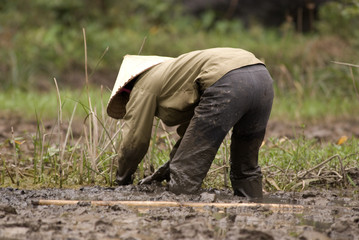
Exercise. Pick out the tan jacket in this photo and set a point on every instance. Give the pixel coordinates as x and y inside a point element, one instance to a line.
<point>171,91</point>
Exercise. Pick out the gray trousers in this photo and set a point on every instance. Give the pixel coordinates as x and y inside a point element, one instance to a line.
<point>242,100</point>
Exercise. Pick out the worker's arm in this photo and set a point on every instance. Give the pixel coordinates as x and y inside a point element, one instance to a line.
<point>163,172</point>
<point>138,121</point>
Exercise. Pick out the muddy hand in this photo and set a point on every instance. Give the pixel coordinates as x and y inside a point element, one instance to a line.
<point>162,173</point>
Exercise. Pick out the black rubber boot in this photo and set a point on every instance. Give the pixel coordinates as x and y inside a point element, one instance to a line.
<point>246,175</point>
<point>250,188</point>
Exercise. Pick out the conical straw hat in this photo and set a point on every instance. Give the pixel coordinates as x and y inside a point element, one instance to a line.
<point>131,67</point>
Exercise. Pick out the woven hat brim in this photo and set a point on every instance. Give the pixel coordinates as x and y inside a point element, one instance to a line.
<point>131,67</point>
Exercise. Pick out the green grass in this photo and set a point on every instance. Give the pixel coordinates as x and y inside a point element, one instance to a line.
<point>53,158</point>
<point>284,164</point>
<point>313,108</point>
<point>288,107</point>
<point>29,103</point>
<point>292,164</point>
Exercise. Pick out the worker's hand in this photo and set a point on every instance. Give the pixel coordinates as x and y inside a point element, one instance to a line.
<point>162,173</point>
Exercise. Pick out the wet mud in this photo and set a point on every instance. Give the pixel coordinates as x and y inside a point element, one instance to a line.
<point>323,214</point>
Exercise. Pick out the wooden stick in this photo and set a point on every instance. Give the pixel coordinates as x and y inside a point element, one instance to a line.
<point>154,204</point>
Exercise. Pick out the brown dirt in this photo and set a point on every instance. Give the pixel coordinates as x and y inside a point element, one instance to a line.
<point>326,130</point>
<point>327,214</point>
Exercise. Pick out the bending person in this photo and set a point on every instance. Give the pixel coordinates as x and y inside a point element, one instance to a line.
<point>207,93</point>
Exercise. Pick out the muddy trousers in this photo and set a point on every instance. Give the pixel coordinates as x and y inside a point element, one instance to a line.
<point>242,100</point>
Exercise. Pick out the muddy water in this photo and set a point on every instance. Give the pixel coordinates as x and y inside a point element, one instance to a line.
<point>324,215</point>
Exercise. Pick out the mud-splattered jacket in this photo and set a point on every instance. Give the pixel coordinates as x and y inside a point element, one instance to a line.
<point>171,91</point>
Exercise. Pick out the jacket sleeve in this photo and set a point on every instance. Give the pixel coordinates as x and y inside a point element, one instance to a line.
<point>136,134</point>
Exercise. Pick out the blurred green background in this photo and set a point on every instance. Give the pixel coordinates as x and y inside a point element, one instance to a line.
<point>41,39</point>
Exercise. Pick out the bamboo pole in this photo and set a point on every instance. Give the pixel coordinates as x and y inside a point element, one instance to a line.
<point>159,204</point>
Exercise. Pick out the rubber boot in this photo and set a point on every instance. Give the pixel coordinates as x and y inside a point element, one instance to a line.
<point>245,174</point>
<point>250,188</point>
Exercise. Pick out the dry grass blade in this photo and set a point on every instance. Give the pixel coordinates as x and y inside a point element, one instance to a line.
<point>98,62</point>
<point>355,86</point>
<point>43,153</point>
<point>67,137</point>
<point>91,140</point>
<point>143,44</point>
<point>85,48</point>
<point>103,112</point>
<point>59,126</point>
<point>166,133</point>
<point>346,64</point>
<point>71,156</point>
<point>88,144</point>
<point>108,143</point>
<point>272,183</point>
<point>300,176</point>
<point>15,158</point>
<point>304,183</point>
<point>8,172</point>
<point>225,161</point>
<point>351,73</point>
<point>81,167</point>
<point>94,144</point>
<point>217,169</point>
